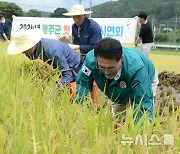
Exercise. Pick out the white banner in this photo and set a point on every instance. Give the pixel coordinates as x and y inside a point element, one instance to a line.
<point>123,29</point>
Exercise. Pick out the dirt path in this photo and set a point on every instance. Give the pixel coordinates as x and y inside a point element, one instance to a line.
<point>168,92</point>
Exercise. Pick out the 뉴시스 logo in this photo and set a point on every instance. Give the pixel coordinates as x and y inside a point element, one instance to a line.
<point>168,139</point>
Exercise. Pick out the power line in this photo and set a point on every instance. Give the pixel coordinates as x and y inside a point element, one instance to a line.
<point>80,1</point>
<point>38,6</point>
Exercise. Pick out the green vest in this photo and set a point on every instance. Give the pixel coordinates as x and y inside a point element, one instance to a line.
<point>134,84</point>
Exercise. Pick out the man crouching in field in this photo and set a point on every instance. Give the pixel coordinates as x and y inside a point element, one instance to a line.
<point>51,51</point>
<point>124,74</point>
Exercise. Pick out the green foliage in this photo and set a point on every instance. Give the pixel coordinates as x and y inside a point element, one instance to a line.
<point>58,13</point>
<point>178,36</point>
<point>45,14</point>
<point>161,37</point>
<point>168,37</point>
<point>33,13</point>
<point>161,10</point>
<point>9,9</point>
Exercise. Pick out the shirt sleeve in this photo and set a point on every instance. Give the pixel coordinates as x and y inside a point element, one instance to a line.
<point>84,82</point>
<point>1,30</point>
<point>60,60</point>
<point>9,21</point>
<point>95,35</point>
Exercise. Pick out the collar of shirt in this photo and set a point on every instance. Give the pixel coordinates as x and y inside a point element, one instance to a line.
<point>6,23</point>
<point>118,75</point>
<point>83,24</point>
<point>145,22</point>
<point>37,52</point>
<point>79,29</point>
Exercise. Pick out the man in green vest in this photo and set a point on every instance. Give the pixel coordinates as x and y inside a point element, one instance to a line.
<point>123,74</point>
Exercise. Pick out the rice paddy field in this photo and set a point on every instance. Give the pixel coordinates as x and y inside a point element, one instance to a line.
<point>35,117</point>
<point>165,60</point>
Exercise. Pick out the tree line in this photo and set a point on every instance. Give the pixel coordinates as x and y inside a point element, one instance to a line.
<point>8,9</point>
<point>164,14</point>
<point>160,11</point>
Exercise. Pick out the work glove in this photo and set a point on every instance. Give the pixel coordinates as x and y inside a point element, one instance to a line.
<point>73,46</point>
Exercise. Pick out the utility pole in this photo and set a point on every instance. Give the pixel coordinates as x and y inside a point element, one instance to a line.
<point>153,22</point>
<point>153,27</point>
<point>175,26</point>
<point>80,1</point>
<point>90,6</point>
<point>167,27</point>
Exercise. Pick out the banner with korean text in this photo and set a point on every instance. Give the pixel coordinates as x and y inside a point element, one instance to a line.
<point>123,29</point>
